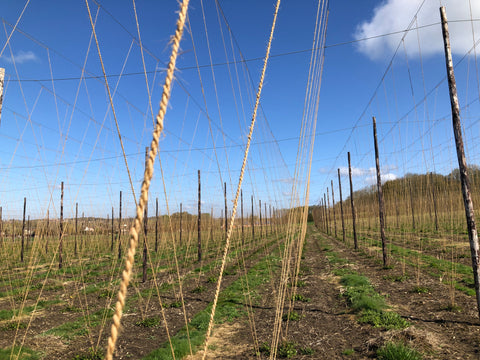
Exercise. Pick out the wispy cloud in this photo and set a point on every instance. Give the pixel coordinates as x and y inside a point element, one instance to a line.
<point>21,57</point>
<point>396,15</point>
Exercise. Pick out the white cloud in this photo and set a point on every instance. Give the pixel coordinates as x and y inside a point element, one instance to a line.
<point>21,57</point>
<point>396,15</point>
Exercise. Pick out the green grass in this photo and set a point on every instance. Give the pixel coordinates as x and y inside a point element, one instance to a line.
<point>348,352</point>
<point>292,316</point>
<point>363,299</point>
<point>23,354</point>
<point>71,329</point>
<point>149,322</point>
<point>397,351</point>
<point>384,319</point>
<point>229,307</point>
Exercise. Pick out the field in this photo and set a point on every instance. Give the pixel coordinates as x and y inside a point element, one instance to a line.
<point>346,304</point>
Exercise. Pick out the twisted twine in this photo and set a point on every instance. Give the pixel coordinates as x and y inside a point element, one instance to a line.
<point>127,272</point>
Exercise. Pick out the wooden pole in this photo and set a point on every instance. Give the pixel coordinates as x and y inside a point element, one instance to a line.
<point>46,231</point>
<point>434,196</point>
<point>333,206</point>
<point>76,220</point>
<point>23,228</point>
<point>180,234</point>
<point>241,211</point>
<point>2,78</point>
<point>326,213</point>
<point>260,217</point>
<point>145,233</point>
<point>271,218</point>
<point>145,230</point>
<point>120,227</point>
<point>328,210</point>
<point>411,204</point>
<point>199,219</point>
<point>341,204</point>
<point>156,224</point>
<point>266,218</point>
<point>253,223</point>
<point>113,235</point>
<point>352,203</point>
<point>462,162</point>
<point>60,245</point>
<point>226,216</point>
<point>1,226</point>
<point>381,205</point>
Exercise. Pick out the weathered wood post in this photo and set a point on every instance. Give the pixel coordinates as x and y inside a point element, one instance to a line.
<point>411,205</point>
<point>120,227</point>
<point>199,219</point>
<point>1,226</point>
<point>60,245</point>
<point>333,206</point>
<point>381,205</point>
<point>23,228</point>
<point>352,203</point>
<point>266,218</point>
<point>46,231</point>
<point>76,221</point>
<point>341,204</point>
<point>145,234</point>
<point>241,211</point>
<point>253,223</point>
<point>326,213</point>
<point>2,79</point>
<point>271,219</point>
<point>328,209</point>
<point>434,196</point>
<point>145,230</point>
<point>156,224</point>
<point>462,162</point>
<point>113,235</point>
<point>260,217</point>
<point>226,216</point>
<point>180,230</point>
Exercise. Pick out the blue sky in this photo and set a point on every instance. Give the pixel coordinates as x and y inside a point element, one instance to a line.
<point>64,129</point>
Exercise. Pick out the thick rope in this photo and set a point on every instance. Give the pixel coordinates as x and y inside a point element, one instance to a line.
<point>126,275</point>
<point>240,180</point>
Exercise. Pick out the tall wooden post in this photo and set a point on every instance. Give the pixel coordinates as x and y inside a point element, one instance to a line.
<point>253,223</point>
<point>462,162</point>
<point>76,220</point>
<point>120,227</point>
<point>326,213</point>
<point>434,196</point>
<point>260,217</point>
<point>180,234</point>
<point>352,203</point>
<point>113,235</point>
<point>211,226</point>
<point>1,226</point>
<point>266,218</point>
<point>23,228</point>
<point>145,230</point>
<point>2,78</point>
<point>241,211</point>
<point>341,204</point>
<point>226,216</point>
<point>328,208</point>
<point>156,224</point>
<point>333,206</point>
<point>411,205</point>
<point>46,231</point>
<point>381,206</point>
<point>145,234</point>
<point>60,245</point>
<point>271,219</point>
<point>199,219</point>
